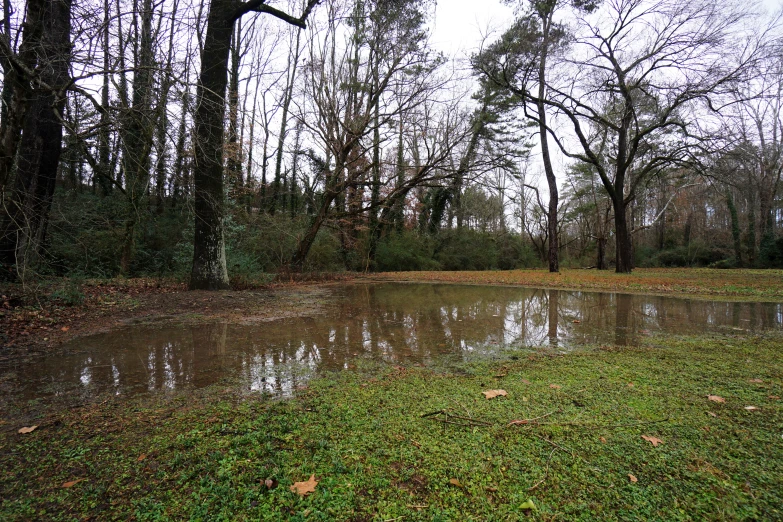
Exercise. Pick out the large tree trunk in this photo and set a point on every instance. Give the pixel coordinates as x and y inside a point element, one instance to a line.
<point>209,252</point>
<point>41,141</point>
<point>624,254</point>
<point>735,228</point>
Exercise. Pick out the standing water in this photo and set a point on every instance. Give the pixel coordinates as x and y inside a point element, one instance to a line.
<point>395,323</point>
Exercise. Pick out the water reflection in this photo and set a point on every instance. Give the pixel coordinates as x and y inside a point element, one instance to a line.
<point>394,323</point>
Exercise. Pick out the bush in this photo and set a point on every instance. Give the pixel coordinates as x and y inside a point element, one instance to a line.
<point>405,251</point>
<point>467,250</point>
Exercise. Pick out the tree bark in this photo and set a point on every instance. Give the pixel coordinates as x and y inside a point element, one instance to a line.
<point>209,270</point>
<point>41,141</point>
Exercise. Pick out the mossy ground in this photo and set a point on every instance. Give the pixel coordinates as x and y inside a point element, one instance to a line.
<point>205,455</point>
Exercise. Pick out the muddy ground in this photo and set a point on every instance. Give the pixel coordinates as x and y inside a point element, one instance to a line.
<point>41,321</point>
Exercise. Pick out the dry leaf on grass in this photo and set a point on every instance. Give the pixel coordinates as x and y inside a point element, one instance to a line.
<point>633,479</point>
<point>270,483</point>
<point>525,381</point>
<point>756,380</point>
<point>652,440</point>
<point>27,429</point>
<point>141,457</point>
<point>751,408</point>
<point>455,482</point>
<point>71,483</point>
<point>716,398</point>
<point>603,440</point>
<point>303,488</point>
<point>555,386</point>
<point>518,422</point>
<point>65,328</point>
<point>712,414</point>
<point>491,394</point>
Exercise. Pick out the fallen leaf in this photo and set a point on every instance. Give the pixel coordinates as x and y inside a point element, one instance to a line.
<point>455,482</point>
<point>652,440</point>
<point>555,386</point>
<point>528,505</point>
<point>715,398</point>
<point>491,489</point>
<point>525,381</point>
<point>603,440</point>
<point>630,385</point>
<point>756,380</point>
<point>751,408</point>
<point>518,422</point>
<point>577,321</point>
<point>27,429</point>
<point>491,394</point>
<point>773,397</point>
<point>65,328</point>
<point>712,414</point>
<point>633,479</point>
<point>71,483</point>
<point>270,483</point>
<point>141,457</point>
<point>303,488</point>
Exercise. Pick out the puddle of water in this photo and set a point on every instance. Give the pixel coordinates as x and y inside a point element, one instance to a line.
<point>392,323</point>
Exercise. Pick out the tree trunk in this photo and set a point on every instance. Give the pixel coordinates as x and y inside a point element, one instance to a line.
<point>41,141</point>
<point>735,228</point>
<point>554,265</point>
<point>624,254</point>
<point>209,252</point>
<point>600,262</point>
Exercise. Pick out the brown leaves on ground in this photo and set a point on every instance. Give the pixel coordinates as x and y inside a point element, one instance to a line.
<point>716,398</point>
<point>491,394</point>
<point>457,483</point>
<point>141,457</point>
<point>633,479</point>
<point>303,488</point>
<point>27,429</point>
<point>555,386</point>
<point>757,381</point>
<point>652,440</point>
<point>71,483</point>
<point>751,408</point>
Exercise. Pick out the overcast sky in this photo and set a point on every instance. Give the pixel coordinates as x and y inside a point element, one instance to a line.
<point>460,24</point>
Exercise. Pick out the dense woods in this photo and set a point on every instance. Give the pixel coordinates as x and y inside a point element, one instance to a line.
<point>225,139</point>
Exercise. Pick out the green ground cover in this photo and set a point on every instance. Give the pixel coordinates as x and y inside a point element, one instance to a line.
<point>214,454</point>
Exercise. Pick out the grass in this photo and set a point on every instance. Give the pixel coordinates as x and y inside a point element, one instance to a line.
<point>693,282</point>
<point>206,455</point>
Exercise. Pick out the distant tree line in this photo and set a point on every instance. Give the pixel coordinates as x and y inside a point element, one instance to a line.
<point>225,139</point>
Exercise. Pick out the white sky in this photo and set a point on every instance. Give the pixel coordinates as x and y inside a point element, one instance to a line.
<point>460,24</point>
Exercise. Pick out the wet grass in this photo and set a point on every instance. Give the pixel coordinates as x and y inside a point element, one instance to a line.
<point>692,282</point>
<point>206,455</point>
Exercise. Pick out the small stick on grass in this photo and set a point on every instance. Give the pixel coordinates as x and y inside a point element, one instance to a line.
<point>546,473</point>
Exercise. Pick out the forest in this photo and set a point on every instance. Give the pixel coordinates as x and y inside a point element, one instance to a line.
<point>221,140</point>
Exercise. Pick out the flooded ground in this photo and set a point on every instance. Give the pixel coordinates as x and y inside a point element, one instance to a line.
<point>393,323</point>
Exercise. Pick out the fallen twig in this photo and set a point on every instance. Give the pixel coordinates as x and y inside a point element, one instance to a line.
<point>467,421</point>
<point>528,421</point>
<point>546,473</point>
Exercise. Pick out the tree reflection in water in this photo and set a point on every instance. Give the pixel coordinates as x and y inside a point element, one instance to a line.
<point>394,323</point>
